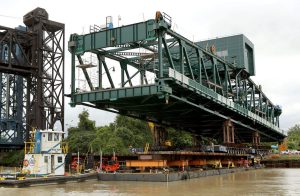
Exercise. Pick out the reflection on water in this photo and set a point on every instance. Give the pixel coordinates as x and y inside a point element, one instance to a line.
<point>257,182</point>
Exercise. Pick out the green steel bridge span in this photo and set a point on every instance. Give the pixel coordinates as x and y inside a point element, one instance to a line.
<point>194,89</point>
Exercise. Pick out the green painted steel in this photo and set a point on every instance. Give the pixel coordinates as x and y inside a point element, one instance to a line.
<point>115,94</point>
<point>194,89</point>
<point>237,49</point>
<point>161,90</point>
<point>117,36</point>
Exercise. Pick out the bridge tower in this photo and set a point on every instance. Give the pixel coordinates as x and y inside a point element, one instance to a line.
<point>31,76</point>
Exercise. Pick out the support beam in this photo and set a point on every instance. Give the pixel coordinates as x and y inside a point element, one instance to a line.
<point>128,77</point>
<point>228,132</point>
<point>168,53</point>
<point>160,55</point>
<point>100,85</point>
<point>181,58</point>
<point>159,134</point>
<point>107,73</point>
<point>256,138</point>
<point>86,75</point>
<point>188,64</point>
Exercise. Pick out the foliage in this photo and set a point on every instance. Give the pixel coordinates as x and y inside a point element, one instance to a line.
<point>13,159</point>
<point>85,124</point>
<point>179,137</point>
<point>125,132</point>
<point>289,157</point>
<point>116,137</point>
<point>294,137</point>
<point>108,142</point>
<point>133,132</point>
<point>79,137</point>
<point>267,143</point>
<point>119,136</point>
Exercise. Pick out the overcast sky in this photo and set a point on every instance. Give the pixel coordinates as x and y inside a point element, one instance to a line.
<point>272,25</point>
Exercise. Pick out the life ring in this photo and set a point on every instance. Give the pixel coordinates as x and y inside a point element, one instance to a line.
<point>25,163</point>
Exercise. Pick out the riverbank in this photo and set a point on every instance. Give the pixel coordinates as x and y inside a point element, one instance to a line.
<point>281,163</point>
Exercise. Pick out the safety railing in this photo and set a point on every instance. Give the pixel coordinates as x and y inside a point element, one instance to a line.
<point>29,147</point>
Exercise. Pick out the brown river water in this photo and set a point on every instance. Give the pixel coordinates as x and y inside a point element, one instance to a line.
<point>255,182</point>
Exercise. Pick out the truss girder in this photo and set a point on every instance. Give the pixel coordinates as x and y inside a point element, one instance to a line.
<point>184,72</point>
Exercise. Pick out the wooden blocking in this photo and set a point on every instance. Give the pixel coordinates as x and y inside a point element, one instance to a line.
<point>198,162</point>
<point>146,163</point>
<point>178,163</point>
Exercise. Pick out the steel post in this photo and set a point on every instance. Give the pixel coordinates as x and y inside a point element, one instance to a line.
<point>160,54</point>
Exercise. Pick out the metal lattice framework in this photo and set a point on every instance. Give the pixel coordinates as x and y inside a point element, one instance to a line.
<point>194,89</point>
<point>31,71</point>
<point>47,97</point>
<point>11,110</point>
<point>15,67</point>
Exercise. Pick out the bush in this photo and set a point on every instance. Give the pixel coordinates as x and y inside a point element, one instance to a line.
<point>13,159</point>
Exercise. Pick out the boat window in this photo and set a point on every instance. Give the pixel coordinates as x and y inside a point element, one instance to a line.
<point>59,159</point>
<point>49,136</point>
<point>56,137</point>
<point>46,159</point>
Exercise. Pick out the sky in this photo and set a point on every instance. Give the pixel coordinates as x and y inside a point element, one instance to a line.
<point>272,25</point>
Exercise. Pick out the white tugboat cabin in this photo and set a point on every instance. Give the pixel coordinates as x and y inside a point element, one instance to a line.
<point>46,154</point>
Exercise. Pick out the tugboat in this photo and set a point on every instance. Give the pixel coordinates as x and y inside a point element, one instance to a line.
<point>45,155</point>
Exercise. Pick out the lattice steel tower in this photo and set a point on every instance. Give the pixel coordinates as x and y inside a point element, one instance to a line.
<point>31,78</point>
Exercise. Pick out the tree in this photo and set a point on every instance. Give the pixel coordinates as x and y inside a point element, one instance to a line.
<point>133,132</point>
<point>80,137</point>
<point>294,137</point>
<point>85,124</point>
<point>108,142</point>
<point>180,138</point>
<point>12,159</point>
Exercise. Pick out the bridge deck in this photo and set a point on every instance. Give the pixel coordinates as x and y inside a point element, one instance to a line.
<point>174,103</point>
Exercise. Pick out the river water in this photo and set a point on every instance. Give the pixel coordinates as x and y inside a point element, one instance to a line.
<point>255,182</point>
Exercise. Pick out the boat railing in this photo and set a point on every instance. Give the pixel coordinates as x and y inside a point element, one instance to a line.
<point>29,147</point>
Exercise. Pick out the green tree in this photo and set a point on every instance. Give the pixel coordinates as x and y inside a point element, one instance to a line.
<point>85,124</point>
<point>80,137</point>
<point>108,142</point>
<point>180,138</point>
<point>13,159</point>
<point>133,132</point>
<point>294,137</point>
<point>120,135</point>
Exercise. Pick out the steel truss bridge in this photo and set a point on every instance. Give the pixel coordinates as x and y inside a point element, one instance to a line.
<point>31,78</point>
<point>194,89</point>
